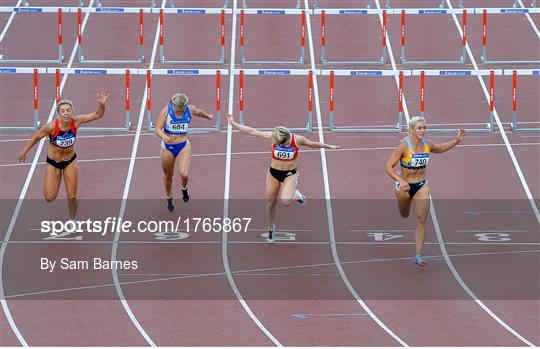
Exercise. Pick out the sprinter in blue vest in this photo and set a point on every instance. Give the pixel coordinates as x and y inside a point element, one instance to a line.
<point>172,127</point>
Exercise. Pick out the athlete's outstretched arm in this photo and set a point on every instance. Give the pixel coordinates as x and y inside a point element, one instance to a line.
<point>441,148</point>
<point>301,140</point>
<point>102,97</point>
<point>200,113</point>
<point>246,129</point>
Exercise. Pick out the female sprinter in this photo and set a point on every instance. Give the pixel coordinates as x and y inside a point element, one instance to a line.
<point>411,185</point>
<point>61,156</point>
<point>282,174</point>
<point>172,127</point>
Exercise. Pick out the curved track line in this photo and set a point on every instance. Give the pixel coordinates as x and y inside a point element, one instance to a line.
<point>9,231</point>
<point>327,195</point>
<point>226,195</point>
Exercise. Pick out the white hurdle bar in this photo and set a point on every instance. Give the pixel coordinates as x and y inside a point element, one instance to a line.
<point>485,13</point>
<point>219,11</point>
<point>278,72</point>
<point>302,14</point>
<point>172,72</point>
<point>140,11</point>
<point>324,12</point>
<point>461,60</point>
<point>365,73</point>
<point>244,4</point>
<point>446,73</point>
<point>35,72</point>
<point>515,73</point>
<point>60,11</point>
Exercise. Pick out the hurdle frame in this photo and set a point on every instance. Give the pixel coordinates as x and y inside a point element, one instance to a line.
<point>515,73</point>
<point>365,73</point>
<point>302,13</point>
<point>93,72</point>
<point>323,12</point>
<point>35,72</point>
<point>485,13</point>
<point>277,72</point>
<point>140,11</point>
<point>461,60</point>
<point>441,5</point>
<point>172,72</point>
<point>59,11</point>
<point>491,73</point>
<point>219,11</point>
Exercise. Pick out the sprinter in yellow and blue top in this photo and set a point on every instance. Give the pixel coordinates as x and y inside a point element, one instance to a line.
<point>411,184</point>
<point>172,127</point>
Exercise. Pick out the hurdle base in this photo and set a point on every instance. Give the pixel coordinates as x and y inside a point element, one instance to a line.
<point>486,61</point>
<point>164,60</point>
<point>406,61</point>
<point>346,129</point>
<point>381,61</point>
<point>83,60</point>
<point>21,128</point>
<point>36,61</point>
<point>516,128</point>
<point>300,61</point>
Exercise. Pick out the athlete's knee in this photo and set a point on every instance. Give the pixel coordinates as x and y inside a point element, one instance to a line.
<point>271,202</point>
<point>420,220</point>
<point>286,201</point>
<point>184,174</point>
<point>404,213</point>
<point>168,176</point>
<point>50,196</point>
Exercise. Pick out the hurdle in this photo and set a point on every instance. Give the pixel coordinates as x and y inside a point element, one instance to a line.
<point>485,13</point>
<point>515,73</point>
<point>323,12</point>
<point>221,12</point>
<point>35,71</point>
<point>26,3</point>
<point>491,73</point>
<point>172,72</point>
<point>94,72</point>
<point>278,72</point>
<point>302,14</point>
<point>244,4</point>
<point>441,5</point>
<point>461,60</point>
<point>365,73</point>
<point>83,59</point>
<point>59,11</point>
<point>99,4</point>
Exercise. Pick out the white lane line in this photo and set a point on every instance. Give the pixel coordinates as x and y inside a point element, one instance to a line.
<point>464,285</point>
<point>535,28</point>
<point>24,190</point>
<point>226,194</point>
<point>171,277</point>
<point>125,196</point>
<point>499,124</point>
<point>327,195</point>
<point>8,23</point>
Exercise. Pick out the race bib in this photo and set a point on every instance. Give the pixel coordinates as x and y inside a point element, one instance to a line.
<point>284,154</point>
<point>419,160</point>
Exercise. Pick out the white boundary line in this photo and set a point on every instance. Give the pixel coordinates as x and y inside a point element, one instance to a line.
<point>24,190</point>
<point>125,196</point>
<point>8,23</point>
<point>535,28</point>
<point>327,195</point>
<point>226,194</point>
<point>499,124</point>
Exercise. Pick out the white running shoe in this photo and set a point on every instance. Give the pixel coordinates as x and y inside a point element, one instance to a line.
<point>301,198</point>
